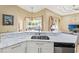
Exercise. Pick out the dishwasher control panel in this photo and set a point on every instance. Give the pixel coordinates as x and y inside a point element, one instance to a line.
<point>59,44</point>
<point>64,47</point>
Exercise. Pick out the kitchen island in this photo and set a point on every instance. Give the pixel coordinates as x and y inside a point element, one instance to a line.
<point>21,42</point>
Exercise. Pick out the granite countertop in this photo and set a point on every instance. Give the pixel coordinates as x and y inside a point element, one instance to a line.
<point>55,37</point>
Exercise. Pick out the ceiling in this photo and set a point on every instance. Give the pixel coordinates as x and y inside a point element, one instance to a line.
<point>59,9</point>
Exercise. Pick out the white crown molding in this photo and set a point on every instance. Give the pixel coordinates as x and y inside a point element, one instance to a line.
<point>59,9</point>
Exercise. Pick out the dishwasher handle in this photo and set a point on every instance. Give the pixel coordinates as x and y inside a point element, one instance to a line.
<point>69,45</point>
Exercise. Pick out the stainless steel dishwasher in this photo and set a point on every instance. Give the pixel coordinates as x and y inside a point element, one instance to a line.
<point>64,47</point>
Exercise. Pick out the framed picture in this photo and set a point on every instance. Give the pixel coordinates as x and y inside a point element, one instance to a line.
<point>8,19</point>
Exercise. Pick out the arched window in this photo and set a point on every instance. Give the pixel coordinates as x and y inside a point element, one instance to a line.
<point>33,24</point>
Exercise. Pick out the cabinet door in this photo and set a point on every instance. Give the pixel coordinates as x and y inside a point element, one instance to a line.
<point>0,50</point>
<point>47,47</point>
<point>32,47</point>
<point>40,47</point>
<point>17,48</point>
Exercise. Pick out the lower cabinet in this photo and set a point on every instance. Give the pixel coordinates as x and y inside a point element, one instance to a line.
<point>30,47</point>
<point>40,47</point>
<point>17,48</point>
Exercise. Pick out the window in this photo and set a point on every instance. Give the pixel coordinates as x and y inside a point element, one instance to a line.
<point>33,24</point>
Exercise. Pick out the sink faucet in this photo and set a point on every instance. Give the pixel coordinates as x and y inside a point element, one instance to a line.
<point>39,33</point>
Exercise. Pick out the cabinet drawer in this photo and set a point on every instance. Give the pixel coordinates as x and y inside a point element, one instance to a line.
<point>45,44</point>
<point>31,43</point>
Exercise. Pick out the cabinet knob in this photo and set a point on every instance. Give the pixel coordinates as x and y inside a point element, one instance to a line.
<point>38,50</point>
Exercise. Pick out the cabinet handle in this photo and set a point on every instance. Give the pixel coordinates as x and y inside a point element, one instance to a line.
<point>16,46</point>
<point>38,50</point>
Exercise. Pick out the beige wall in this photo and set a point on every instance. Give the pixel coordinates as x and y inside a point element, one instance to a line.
<point>19,15</point>
<point>68,19</point>
<point>39,14</point>
<point>55,17</point>
<point>46,14</point>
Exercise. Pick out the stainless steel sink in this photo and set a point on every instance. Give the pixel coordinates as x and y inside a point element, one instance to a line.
<point>40,37</point>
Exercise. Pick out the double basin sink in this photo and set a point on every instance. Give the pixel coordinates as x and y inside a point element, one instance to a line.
<point>40,37</point>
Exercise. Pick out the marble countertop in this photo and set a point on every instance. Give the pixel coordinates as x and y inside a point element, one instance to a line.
<point>55,37</point>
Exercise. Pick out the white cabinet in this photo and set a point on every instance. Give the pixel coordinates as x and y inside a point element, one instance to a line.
<point>31,47</point>
<point>0,50</point>
<point>40,47</point>
<point>47,47</point>
<point>17,48</point>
